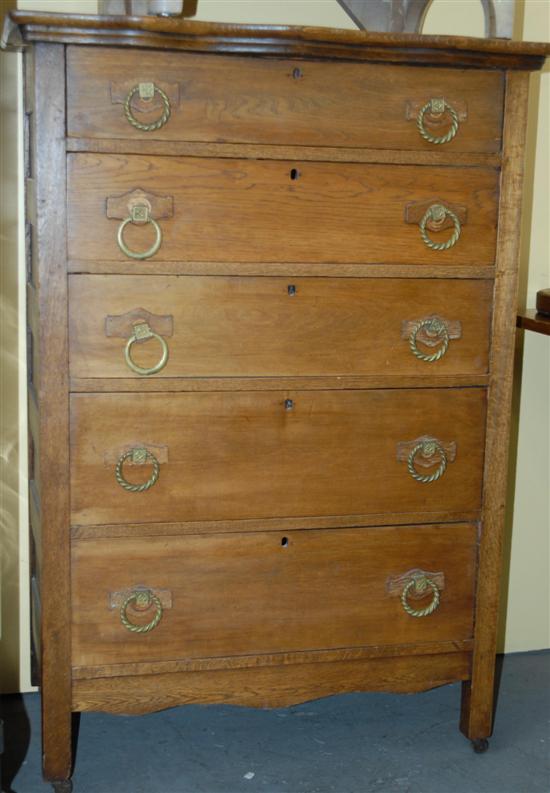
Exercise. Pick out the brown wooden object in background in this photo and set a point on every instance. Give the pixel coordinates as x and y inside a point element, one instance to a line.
<point>271,340</point>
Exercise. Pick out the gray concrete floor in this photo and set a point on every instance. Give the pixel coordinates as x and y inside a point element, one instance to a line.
<point>356,743</point>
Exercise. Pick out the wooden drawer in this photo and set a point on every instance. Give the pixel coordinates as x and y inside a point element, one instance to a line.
<point>264,592</point>
<point>276,211</point>
<point>260,327</point>
<point>236,455</point>
<point>248,100</point>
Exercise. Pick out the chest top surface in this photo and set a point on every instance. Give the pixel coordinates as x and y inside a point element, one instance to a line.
<point>23,27</point>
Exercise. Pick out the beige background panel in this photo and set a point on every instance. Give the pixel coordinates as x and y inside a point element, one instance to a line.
<point>526,616</point>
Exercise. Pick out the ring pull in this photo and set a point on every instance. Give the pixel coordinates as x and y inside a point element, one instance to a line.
<point>419,583</point>
<point>139,456</point>
<point>142,332</point>
<point>437,107</point>
<point>146,92</point>
<point>437,213</point>
<point>139,215</point>
<point>435,328</point>
<point>428,448</point>
<point>141,600</point>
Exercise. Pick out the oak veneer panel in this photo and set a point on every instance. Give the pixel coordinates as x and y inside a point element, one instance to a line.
<point>286,102</point>
<point>252,327</point>
<point>243,455</point>
<point>253,211</point>
<point>270,687</point>
<point>322,589</point>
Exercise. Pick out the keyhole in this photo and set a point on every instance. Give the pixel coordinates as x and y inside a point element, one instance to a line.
<point>296,73</point>
<point>284,542</point>
<point>289,404</point>
<point>294,174</point>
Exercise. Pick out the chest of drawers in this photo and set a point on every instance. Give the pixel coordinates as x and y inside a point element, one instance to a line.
<point>271,301</point>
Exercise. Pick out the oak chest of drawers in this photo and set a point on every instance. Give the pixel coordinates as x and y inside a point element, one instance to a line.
<point>271,312</point>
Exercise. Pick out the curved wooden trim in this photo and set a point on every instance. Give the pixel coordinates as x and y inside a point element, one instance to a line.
<point>271,686</point>
<point>148,31</point>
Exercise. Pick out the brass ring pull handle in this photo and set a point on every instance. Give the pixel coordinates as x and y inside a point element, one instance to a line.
<point>420,584</point>
<point>428,448</point>
<point>437,214</point>
<point>143,599</point>
<point>139,215</point>
<point>141,332</point>
<point>146,92</point>
<point>434,327</point>
<point>437,107</point>
<point>138,456</point>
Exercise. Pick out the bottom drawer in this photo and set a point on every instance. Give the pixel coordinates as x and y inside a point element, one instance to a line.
<point>264,592</point>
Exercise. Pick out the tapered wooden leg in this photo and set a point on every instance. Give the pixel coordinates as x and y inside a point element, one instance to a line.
<point>476,716</point>
<point>478,694</point>
<point>57,748</point>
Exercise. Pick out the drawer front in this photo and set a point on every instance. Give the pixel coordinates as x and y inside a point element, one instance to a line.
<point>259,327</point>
<point>250,100</point>
<point>277,211</point>
<point>236,455</point>
<point>260,592</point>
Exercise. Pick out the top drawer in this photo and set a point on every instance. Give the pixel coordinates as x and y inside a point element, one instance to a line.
<point>227,99</point>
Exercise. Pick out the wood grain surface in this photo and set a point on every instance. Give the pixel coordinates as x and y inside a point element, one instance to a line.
<point>175,148</point>
<point>49,412</point>
<point>243,100</point>
<point>226,662</point>
<point>255,593</point>
<point>478,694</point>
<point>281,40</point>
<point>246,455</point>
<point>261,211</point>
<point>270,327</point>
<point>275,686</point>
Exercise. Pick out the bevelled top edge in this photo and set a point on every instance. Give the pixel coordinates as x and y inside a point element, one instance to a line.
<point>177,33</point>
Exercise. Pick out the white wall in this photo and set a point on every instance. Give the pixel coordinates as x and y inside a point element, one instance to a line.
<point>526,616</point>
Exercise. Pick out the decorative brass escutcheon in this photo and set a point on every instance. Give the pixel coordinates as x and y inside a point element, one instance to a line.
<point>419,584</point>
<point>436,214</point>
<point>146,92</point>
<point>141,333</point>
<point>139,215</point>
<point>436,107</point>
<point>141,600</point>
<point>139,456</point>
